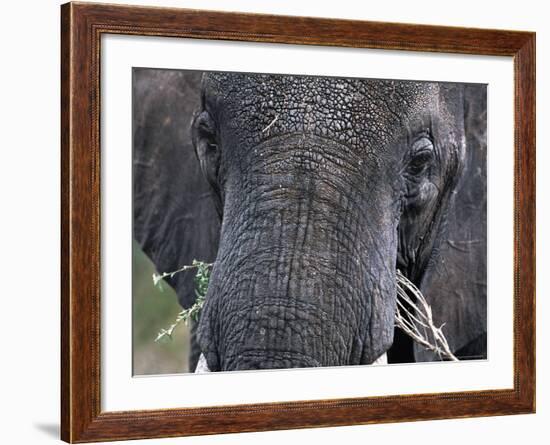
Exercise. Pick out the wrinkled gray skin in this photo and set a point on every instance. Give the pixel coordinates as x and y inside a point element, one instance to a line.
<point>324,187</point>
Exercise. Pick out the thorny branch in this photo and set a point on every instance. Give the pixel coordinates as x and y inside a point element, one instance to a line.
<point>270,124</point>
<point>202,278</point>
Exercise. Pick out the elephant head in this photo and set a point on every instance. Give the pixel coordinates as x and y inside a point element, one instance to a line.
<point>324,187</point>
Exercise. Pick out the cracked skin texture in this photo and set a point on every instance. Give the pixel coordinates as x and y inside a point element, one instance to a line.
<point>354,112</point>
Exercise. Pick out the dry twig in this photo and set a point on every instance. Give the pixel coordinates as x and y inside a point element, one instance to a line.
<point>414,317</point>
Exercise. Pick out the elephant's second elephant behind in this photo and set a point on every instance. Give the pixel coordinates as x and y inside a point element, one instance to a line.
<point>324,187</point>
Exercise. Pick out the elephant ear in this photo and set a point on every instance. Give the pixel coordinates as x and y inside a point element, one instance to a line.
<point>175,220</point>
<point>455,284</point>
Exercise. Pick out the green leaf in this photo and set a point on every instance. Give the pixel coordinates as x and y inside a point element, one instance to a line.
<point>202,280</point>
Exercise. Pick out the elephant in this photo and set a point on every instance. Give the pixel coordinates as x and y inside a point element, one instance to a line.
<point>309,193</point>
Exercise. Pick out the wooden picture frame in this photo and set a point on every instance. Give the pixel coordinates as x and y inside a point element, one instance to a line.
<point>82,26</point>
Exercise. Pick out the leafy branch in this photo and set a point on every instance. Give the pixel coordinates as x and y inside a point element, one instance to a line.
<point>202,278</point>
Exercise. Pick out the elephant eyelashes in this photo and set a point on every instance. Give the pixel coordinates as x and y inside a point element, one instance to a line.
<point>421,158</point>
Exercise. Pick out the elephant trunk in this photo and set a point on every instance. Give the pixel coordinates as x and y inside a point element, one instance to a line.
<point>279,314</point>
<point>302,278</point>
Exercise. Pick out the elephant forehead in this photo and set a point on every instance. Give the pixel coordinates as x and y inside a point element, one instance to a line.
<point>358,112</point>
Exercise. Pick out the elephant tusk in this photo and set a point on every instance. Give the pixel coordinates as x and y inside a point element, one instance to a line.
<point>382,360</point>
<point>202,365</point>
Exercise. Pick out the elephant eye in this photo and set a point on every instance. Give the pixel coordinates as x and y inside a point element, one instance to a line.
<point>422,156</point>
<point>206,130</point>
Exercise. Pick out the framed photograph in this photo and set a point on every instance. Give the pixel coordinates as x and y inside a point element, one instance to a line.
<point>274,222</point>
